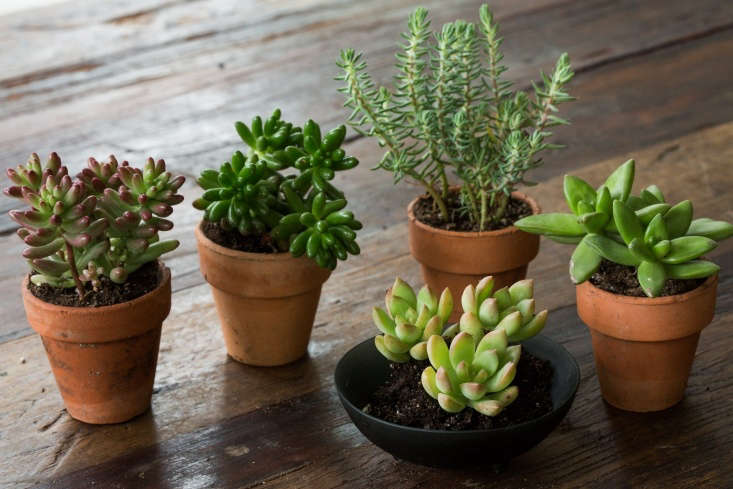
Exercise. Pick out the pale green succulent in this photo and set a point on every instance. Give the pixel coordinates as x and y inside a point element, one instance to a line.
<point>410,320</point>
<point>472,374</point>
<point>510,309</point>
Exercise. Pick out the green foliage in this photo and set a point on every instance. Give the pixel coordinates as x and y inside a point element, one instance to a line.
<point>302,210</point>
<point>469,373</point>
<point>410,320</point>
<point>451,109</point>
<point>662,241</point>
<point>105,222</point>
<point>510,309</point>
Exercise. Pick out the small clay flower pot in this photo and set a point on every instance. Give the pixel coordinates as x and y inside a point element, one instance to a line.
<point>644,347</point>
<point>266,301</point>
<point>103,358</point>
<point>455,259</point>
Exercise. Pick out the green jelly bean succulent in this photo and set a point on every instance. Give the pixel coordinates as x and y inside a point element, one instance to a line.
<point>470,373</point>
<point>302,210</point>
<point>510,309</point>
<point>410,320</point>
<point>644,231</point>
<point>105,222</point>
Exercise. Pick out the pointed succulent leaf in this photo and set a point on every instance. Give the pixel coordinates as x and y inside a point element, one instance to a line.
<point>532,328</point>
<point>451,331</point>
<point>514,352</point>
<point>652,277</point>
<point>407,333</point>
<point>445,305</point>
<point>423,316</point>
<point>511,323</point>
<point>394,345</point>
<point>678,219</point>
<point>556,224</point>
<point>604,202</point>
<point>434,327</point>
<point>463,372</point>
<point>688,248</point>
<point>427,298</point>
<point>610,250</point>
<point>619,183</point>
<point>584,261</point>
<point>470,323</point>
<point>438,352</point>
<point>717,230</point>
<point>629,226</point>
<point>403,290</point>
<point>501,379</point>
<point>656,192</point>
<point>468,300</point>
<point>487,407</point>
<point>503,298</point>
<point>493,340</point>
<point>484,289</point>
<point>526,309</point>
<point>649,212</point>
<point>389,355</point>
<point>504,397</point>
<point>488,313</point>
<point>473,390</point>
<point>419,351</point>
<point>487,360</point>
<point>594,222</point>
<point>443,380</point>
<point>577,190</point>
<point>523,289</point>
<point>641,250</point>
<point>462,348</point>
<point>397,305</point>
<point>427,379</point>
<point>450,403</point>
<point>656,231</point>
<point>661,249</point>
<point>692,269</point>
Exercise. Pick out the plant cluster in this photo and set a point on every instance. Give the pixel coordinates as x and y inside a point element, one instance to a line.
<point>450,109</point>
<point>480,365</point>
<point>105,222</point>
<point>661,240</point>
<point>302,210</point>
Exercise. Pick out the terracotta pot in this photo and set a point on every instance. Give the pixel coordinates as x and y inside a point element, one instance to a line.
<point>644,347</point>
<point>266,301</point>
<point>103,358</point>
<point>455,259</point>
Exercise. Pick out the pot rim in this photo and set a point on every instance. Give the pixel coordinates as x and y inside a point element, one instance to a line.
<point>163,272</point>
<point>472,234</point>
<point>504,429</point>
<point>242,255</point>
<point>653,301</point>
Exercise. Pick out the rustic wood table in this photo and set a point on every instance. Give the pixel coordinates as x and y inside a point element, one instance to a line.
<point>167,78</point>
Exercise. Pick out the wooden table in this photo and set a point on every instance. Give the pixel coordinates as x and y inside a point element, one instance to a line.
<point>167,78</point>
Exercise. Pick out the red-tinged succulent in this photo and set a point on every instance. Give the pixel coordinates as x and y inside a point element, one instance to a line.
<point>104,222</point>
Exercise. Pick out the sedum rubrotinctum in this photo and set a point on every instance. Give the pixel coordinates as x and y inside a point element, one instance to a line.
<point>662,241</point>
<point>480,364</point>
<point>302,210</point>
<point>105,222</point>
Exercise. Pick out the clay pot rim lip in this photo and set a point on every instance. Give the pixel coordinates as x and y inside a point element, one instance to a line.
<point>241,255</point>
<point>652,301</point>
<point>503,430</point>
<point>472,234</point>
<point>41,304</point>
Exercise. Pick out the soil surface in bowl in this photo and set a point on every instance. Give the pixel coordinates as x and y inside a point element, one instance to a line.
<point>140,282</point>
<point>622,280</point>
<point>233,239</point>
<point>427,213</point>
<point>402,399</point>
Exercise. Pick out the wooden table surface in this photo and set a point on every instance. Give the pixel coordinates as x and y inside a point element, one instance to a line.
<point>167,78</point>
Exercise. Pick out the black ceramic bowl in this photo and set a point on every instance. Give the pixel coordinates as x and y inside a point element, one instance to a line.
<point>363,369</point>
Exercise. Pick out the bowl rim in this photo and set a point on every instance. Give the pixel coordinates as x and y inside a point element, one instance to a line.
<point>575,368</point>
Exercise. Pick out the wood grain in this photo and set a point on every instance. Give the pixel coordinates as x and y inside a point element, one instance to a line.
<point>168,77</point>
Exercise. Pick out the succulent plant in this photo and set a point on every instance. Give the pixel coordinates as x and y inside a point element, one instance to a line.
<point>104,222</point>
<point>451,109</point>
<point>644,231</point>
<point>470,373</point>
<point>511,309</point>
<point>303,211</point>
<point>410,320</point>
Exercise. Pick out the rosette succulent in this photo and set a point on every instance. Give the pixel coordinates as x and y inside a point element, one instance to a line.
<point>511,309</point>
<point>470,373</point>
<point>661,240</point>
<point>410,320</point>
<point>301,210</point>
<point>105,222</point>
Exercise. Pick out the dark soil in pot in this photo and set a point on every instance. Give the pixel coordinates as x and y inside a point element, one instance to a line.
<point>233,239</point>
<point>140,282</point>
<point>402,399</point>
<point>622,280</point>
<point>427,213</point>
